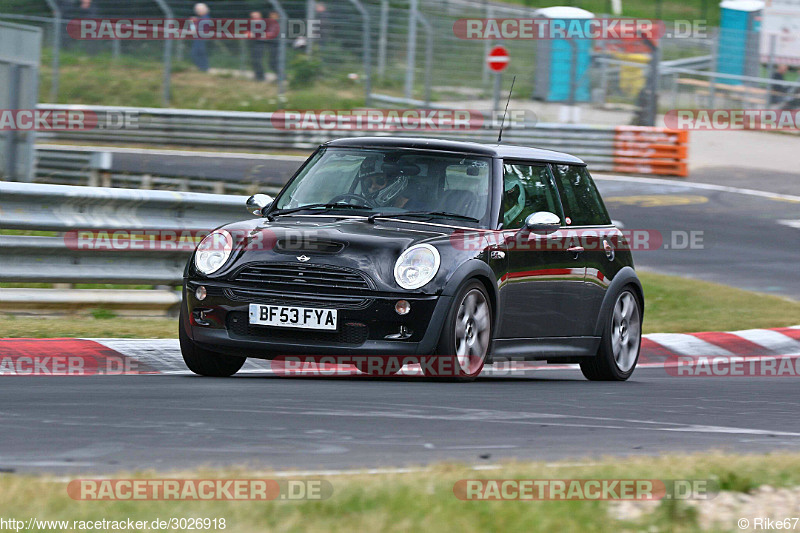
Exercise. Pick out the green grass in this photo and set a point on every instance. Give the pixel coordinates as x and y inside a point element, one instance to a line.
<point>672,305</point>
<point>137,81</point>
<point>97,325</point>
<point>422,500</point>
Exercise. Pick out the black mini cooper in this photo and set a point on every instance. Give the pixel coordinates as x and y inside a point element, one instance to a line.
<point>453,252</point>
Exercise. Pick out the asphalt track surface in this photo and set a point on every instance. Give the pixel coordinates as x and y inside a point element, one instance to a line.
<point>743,239</point>
<point>111,423</point>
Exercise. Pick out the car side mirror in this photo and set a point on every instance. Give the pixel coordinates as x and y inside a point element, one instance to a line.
<point>543,222</point>
<point>257,203</point>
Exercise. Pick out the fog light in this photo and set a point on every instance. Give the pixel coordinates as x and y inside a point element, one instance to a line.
<point>402,307</point>
<point>201,293</point>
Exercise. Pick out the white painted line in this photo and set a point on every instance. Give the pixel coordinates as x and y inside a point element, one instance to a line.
<point>790,223</point>
<point>774,341</point>
<point>730,430</point>
<point>705,186</point>
<point>685,344</point>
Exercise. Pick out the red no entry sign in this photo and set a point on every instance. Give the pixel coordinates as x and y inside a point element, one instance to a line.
<point>498,58</point>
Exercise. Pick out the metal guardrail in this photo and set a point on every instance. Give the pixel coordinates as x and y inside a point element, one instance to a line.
<point>140,169</point>
<point>642,150</point>
<point>62,208</point>
<point>55,164</point>
<point>33,206</point>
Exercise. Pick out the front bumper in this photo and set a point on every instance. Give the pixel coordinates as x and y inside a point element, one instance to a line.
<point>220,323</point>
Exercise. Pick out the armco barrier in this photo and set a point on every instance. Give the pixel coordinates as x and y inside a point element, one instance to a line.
<point>61,208</point>
<point>141,168</point>
<point>639,150</point>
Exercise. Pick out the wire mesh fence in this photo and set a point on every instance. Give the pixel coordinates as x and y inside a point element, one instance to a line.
<point>405,49</point>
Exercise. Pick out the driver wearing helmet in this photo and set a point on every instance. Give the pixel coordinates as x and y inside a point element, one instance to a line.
<point>385,185</point>
<point>513,202</point>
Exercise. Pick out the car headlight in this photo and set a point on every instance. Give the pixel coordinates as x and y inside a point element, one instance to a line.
<point>213,251</point>
<point>416,266</point>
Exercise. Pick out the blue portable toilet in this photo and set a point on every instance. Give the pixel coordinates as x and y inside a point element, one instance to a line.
<point>737,50</point>
<point>555,57</point>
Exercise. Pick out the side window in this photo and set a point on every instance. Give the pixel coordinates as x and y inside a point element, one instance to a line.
<point>582,203</point>
<point>526,190</point>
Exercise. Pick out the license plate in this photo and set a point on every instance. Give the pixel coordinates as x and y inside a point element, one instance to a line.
<point>293,317</point>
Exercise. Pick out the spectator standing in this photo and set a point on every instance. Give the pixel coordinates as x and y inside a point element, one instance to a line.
<point>199,52</point>
<point>323,16</point>
<point>273,34</point>
<point>258,45</point>
<point>778,92</point>
<point>86,10</point>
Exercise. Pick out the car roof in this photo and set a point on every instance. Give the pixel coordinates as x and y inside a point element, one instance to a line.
<point>505,151</point>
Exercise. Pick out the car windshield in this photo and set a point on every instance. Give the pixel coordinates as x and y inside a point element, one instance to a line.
<point>392,182</point>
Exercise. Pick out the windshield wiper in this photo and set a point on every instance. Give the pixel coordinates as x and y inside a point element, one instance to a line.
<point>431,214</point>
<point>338,205</point>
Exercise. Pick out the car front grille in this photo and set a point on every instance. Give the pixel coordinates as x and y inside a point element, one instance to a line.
<point>327,301</point>
<point>351,333</point>
<point>293,277</point>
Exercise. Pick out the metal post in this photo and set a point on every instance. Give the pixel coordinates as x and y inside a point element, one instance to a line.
<point>116,48</point>
<point>366,49</point>
<point>281,47</point>
<point>770,67</point>
<point>12,137</point>
<point>651,112</point>
<point>165,99</point>
<point>311,8</point>
<point>56,49</point>
<point>675,90</point>
<point>428,56</point>
<point>604,73</point>
<point>713,80</point>
<point>382,38</point>
<point>487,44</point>
<point>412,49</point>
<point>496,95</point>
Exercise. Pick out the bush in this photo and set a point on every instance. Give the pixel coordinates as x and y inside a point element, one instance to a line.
<point>304,71</point>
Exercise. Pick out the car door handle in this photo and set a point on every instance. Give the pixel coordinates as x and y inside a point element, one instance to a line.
<point>577,250</point>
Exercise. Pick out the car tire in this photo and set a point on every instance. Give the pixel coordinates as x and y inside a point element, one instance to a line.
<point>205,362</point>
<point>466,337</point>
<point>621,341</point>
